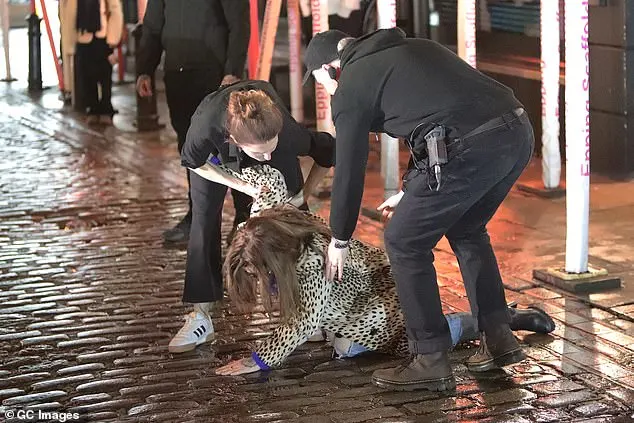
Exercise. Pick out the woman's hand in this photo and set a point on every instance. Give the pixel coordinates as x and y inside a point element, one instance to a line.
<point>238,367</point>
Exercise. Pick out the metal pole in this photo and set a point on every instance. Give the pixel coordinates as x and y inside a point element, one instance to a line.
<point>35,50</point>
<point>577,135</point>
<point>386,18</point>
<point>550,40</point>
<point>420,16</point>
<point>295,62</point>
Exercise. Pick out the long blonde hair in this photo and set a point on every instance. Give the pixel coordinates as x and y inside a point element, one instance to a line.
<point>263,258</point>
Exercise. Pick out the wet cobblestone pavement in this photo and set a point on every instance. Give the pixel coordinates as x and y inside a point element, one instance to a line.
<point>89,298</point>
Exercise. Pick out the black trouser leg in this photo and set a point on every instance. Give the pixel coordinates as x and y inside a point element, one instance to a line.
<point>478,169</point>
<point>471,244</point>
<point>104,76</point>
<point>88,77</point>
<point>203,274</point>
<point>184,91</point>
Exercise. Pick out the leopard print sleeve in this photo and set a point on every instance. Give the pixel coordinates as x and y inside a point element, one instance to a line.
<point>263,176</point>
<point>314,293</point>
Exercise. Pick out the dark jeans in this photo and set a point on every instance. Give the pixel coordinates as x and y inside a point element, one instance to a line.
<point>94,72</point>
<point>184,91</point>
<point>480,173</point>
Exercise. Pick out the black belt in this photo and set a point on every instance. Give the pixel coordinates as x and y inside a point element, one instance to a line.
<point>506,118</point>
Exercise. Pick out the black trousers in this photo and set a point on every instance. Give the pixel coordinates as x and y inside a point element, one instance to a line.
<point>480,173</point>
<point>94,71</point>
<point>203,272</point>
<point>184,91</point>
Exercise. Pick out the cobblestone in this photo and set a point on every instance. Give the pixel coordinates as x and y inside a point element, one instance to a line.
<point>89,299</point>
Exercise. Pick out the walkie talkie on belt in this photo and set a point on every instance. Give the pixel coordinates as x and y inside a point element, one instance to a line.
<point>436,140</point>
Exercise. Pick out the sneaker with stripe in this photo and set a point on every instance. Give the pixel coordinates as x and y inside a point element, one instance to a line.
<point>197,330</point>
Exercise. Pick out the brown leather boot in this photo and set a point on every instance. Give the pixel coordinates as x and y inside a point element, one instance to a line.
<point>424,371</point>
<point>498,348</point>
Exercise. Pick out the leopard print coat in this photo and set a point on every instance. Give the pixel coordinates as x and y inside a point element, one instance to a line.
<point>363,308</point>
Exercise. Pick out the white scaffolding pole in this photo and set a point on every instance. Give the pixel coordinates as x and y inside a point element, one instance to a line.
<point>550,40</point>
<point>467,31</point>
<point>386,10</point>
<point>319,11</point>
<point>577,135</point>
<point>4,11</point>
<point>295,62</point>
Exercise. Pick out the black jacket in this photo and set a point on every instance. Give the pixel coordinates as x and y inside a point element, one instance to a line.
<point>207,136</point>
<point>391,84</point>
<point>195,34</point>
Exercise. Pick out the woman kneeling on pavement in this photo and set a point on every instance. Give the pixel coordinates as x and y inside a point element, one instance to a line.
<point>279,255</point>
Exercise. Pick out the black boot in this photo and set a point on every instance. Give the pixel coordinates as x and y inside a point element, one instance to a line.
<point>424,371</point>
<point>180,232</point>
<point>498,348</point>
<point>533,319</point>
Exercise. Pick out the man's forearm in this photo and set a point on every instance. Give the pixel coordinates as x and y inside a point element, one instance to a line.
<point>219,176</point>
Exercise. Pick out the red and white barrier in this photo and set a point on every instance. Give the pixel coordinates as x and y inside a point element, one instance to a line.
<point>467,31</point>
<point>267,43</point>
<point>386,18</point>
<point>295,62</point>
<point>254,39</point>
<point>550,60</point>
<point>577,135</point>
<point>319,11</point>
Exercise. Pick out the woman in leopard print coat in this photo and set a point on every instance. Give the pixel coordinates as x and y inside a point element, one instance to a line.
<point>278,254</point>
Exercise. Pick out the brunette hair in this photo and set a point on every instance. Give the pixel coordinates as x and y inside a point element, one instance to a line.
<point>263,258</point>
<point>253,117</point>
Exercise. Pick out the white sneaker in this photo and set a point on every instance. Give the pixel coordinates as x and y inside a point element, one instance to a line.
<point>197,330</point>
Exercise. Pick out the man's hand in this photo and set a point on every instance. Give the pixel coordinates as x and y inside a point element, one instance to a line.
<point>229,79</point>
<point>144,85</point>
<point>298,199</point>
<point>238,367</point>
<point>336,258</point>
<point>388,206</point>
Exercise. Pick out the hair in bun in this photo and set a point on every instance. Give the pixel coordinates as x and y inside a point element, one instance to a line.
<point>253,117</point>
